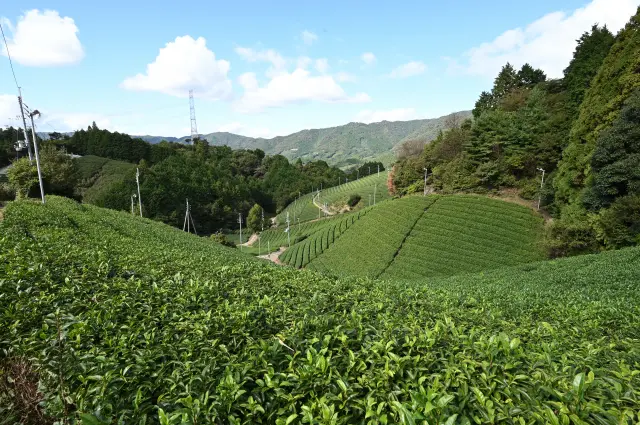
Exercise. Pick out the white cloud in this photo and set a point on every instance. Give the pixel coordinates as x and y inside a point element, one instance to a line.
<point>244,130</point>
<point>295,87</point>
<point>182,65</point>
<point>304,62</point>
<point>308,37</point>
<point>547,43</point>
<point>9,111</point>
<point>74,121</point>
<point>344,77</point>
<point>322,65</point>
<point>368,58</point>
<point>43,39</point>
<point>408,70</point>
<point>278,63</point>
<point>402,114</point>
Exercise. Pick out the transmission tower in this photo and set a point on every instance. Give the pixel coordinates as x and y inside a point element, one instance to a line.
<point>194,127</point>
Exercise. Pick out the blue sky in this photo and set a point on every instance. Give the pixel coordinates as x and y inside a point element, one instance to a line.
<point>261,69</point>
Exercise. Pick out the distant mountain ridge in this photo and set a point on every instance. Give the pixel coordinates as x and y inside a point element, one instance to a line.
<point>375,141</point>
<point>352,142</point>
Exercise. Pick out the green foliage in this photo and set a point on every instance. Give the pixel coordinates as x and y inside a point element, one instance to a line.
<point>222,239</point>
<point>590,52</point>
<point>58,174</point>
<point>615,163</point>
<point>254,219</point>
<point>619,225</point>
<point>353,200</point>
<point>615,81</point>
<point>129,321</point>
<point>9,137</point>
<point>572,233</point>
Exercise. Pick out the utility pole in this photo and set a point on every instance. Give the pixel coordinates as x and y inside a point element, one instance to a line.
<point>262,230</point>
<point>378,170</point>
<point>541,185</point>
<point>24,123</point>
<point>375,189</point>
<point>187,215</point>
<point>240,222</point>
<point>134,196</point>
<point>288,230</point>
<point>138,184</point>
<point>358,177</point>
<point>35,148</point>
<point>425,182</point>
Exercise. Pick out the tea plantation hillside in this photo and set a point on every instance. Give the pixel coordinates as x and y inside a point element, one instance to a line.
<point>108,318</point>
<point>336,197</point>
<point>417,237</point>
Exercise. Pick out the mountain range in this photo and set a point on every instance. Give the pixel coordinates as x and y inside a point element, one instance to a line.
<point>336,145</point>
<point>341,145</point>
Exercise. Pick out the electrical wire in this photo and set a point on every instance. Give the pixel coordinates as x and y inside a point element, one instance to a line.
<point>9,56</point>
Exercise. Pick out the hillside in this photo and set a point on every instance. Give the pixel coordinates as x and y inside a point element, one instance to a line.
<point>306,207</point>
<point>335,144</point>
<point>131,320</point>
<point>417,237</point>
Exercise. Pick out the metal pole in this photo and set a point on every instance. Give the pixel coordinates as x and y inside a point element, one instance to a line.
<point>240,221</point>
<point>188,216</point>
<point>35,147</point>
<point>24,123</point>
<point>288,230</point>
<point>132,208</point>
<point>541,186</point>
<point>138,184</point>
<point>378,169</point>
<point>425,182</point>
<point>375,189</point>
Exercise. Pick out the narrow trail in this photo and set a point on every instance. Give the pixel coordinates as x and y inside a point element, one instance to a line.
<point>321,207</point>
<point>274,256</point>
<point>251,240</point>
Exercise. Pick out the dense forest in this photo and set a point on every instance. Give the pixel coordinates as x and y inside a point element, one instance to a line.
<point>583,130</point>
<point>219,182</point>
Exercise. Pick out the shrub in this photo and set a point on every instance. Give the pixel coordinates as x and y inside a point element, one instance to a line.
<point>353,200</point>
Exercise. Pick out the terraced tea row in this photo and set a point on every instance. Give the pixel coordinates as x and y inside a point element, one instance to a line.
<point>131,321</point>
<point>337,196</point>
<point>300,254</point>
<point>465,234</point>
<point>368,247</point>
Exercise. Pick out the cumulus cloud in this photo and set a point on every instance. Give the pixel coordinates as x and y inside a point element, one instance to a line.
<point>43,39</point>
<point>547,43</point>
<point>368,58</point>
<point>322,65</point>
<point>295,87</point>
<point>402,114</point>
<point>343,77</point>
<point>9,111</point>
<point>182,65</point>
<point>278,63</point>
<point>308,37</point>
<point>408,70</point>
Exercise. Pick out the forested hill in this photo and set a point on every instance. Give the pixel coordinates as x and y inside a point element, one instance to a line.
<point>335,144</point>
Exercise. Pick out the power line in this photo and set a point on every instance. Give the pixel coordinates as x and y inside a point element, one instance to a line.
<point>9,56</point>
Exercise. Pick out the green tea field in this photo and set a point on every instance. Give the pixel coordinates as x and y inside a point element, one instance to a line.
<point>417,237</point>
<point>108,318</point>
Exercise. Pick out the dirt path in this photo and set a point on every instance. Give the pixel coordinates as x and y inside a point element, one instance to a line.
<point>321,207</point>
<point>274,256</point>
<point>511,195</point>
<point>251,240</point>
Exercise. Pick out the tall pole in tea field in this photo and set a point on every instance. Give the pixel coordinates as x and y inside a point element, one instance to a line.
<point>541,186</point>
<point>424,193</point>
<point>133,196</point>
<point>240,222</point>
<point>288,230</point>
<point>35,149</point>
<point>139,197</point>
